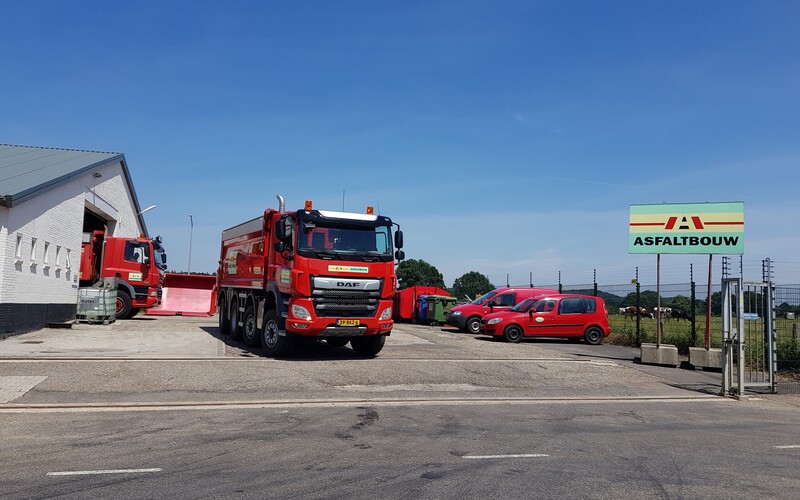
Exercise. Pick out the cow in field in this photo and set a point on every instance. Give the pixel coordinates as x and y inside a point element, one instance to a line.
<point>665,312</point>
<point>678,314</point>
<point>633,311</point>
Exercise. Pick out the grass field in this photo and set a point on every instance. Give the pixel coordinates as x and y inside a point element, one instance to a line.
<point>678,333</point>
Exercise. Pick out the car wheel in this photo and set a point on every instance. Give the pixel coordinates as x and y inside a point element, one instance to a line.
<point>473,325</point>
<point>368,347</point>
<point>250,332</point>
<point>337,342</point>
<point>512,333</point>
<point>274,344</point>
<point>593,335</point>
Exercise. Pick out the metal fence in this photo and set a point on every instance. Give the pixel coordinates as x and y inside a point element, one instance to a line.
<point>691,297</point>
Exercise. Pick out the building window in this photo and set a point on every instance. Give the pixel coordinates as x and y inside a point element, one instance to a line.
<point>67,261</point>
<point>58,256</point>
<point>46,258</point>
<point>33,249</point>
<point>18,252</point>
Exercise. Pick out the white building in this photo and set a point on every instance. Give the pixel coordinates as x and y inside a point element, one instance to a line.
<point>48,198</point>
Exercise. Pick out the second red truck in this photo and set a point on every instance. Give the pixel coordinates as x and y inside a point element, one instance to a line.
<point>311,273</point>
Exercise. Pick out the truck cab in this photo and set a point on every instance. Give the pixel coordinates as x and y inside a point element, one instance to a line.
<point>137,265</point>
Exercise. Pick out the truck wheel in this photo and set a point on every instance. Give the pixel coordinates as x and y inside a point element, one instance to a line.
<point>274,344</point>
<point>123,304</point>
<point>250,333</point>
<point>337,342</point>
<point>473,325</point>
<point>368,347</point>
<point>224,326</point>
<point>233,320</point>
<point>134,311</point>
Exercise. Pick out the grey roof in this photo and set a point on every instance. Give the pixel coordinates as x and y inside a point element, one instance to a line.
<point>27,171</point>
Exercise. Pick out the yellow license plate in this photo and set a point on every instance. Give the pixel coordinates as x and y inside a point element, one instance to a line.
<point>348,322</point>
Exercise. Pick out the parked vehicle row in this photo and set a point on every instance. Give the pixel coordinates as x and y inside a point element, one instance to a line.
<point>515,313</point>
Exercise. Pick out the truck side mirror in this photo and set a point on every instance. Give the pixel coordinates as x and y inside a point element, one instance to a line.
<point>164,258</point>
<point>279,247</point>
<point>399,255</point>
<point>398,239</point>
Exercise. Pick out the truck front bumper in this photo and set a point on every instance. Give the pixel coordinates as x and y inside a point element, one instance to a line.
<point>332,327</point>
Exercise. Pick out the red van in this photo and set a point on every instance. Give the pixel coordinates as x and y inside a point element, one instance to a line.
<point>467,317</point>
<point>566,316</point>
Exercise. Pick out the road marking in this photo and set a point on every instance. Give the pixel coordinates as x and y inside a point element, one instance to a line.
<point>482,457</point>
<point>109,471</point>
<point>788,446</point>
<point>342,403</point>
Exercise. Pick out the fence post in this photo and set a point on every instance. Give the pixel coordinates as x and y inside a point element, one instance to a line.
<point>693,313</point>
<point>560,289</point>
<point>638,308</point>
<point>595,282</point>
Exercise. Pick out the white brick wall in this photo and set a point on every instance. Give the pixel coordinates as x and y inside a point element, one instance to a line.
<point>55,217</point>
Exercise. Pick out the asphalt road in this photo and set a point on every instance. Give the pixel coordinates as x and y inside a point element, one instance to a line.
<point>438,414</point>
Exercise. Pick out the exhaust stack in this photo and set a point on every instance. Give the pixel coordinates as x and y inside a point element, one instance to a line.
<point>281,204</point>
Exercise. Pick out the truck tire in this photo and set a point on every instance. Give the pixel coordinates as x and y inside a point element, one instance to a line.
<point>134,311</point>
<point>123,304</point>
<point>233,320</point>
<point>224,326</point>
<point>368,347</point>
<point>275,345</point>
<point>250,333</point>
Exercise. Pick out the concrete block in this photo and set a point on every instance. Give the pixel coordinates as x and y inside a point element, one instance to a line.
<point>699,357</point>
<point>665,354</point>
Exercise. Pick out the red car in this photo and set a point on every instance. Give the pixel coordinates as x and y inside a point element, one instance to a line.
<point>467,317</point>
<point>566,316</point>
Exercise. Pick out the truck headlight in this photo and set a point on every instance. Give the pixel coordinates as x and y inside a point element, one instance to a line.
<point>300,312</point>
<point>386,314</point>
<point>455,313</point>
<point>494,321</point>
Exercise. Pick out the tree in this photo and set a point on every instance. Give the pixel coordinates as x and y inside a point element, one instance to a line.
<point>471,284</point>
<point>417,272</point>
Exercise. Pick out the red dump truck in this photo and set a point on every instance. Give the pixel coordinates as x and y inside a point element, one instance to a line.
<point>311,273</point>
<point>138,264</point>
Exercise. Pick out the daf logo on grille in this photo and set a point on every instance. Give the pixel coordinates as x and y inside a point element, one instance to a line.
<point>345,284</point>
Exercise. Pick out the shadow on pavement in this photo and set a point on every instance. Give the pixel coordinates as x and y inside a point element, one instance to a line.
<point>305,349</point>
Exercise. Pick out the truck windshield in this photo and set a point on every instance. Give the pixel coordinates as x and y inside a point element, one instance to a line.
<point>339,241</point>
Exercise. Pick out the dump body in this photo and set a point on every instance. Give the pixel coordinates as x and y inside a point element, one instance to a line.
<point>308,273</point>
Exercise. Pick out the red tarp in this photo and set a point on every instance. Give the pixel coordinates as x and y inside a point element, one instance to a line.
<point>187,295</point>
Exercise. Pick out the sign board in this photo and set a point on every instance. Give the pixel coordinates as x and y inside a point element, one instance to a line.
<point>750,316</point>
<point>687,228</point>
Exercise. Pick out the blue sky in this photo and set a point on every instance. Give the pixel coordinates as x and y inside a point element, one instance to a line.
<point>505,137</point>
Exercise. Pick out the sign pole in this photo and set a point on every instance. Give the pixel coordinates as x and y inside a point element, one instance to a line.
<point>658,299</point>
<point>708,306</point>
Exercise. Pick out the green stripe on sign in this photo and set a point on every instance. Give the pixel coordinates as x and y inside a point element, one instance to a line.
<point>695,208</point>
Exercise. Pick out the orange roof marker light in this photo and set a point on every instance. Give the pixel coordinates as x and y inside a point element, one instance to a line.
<point>370,210</point>
<point>308,205</point>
